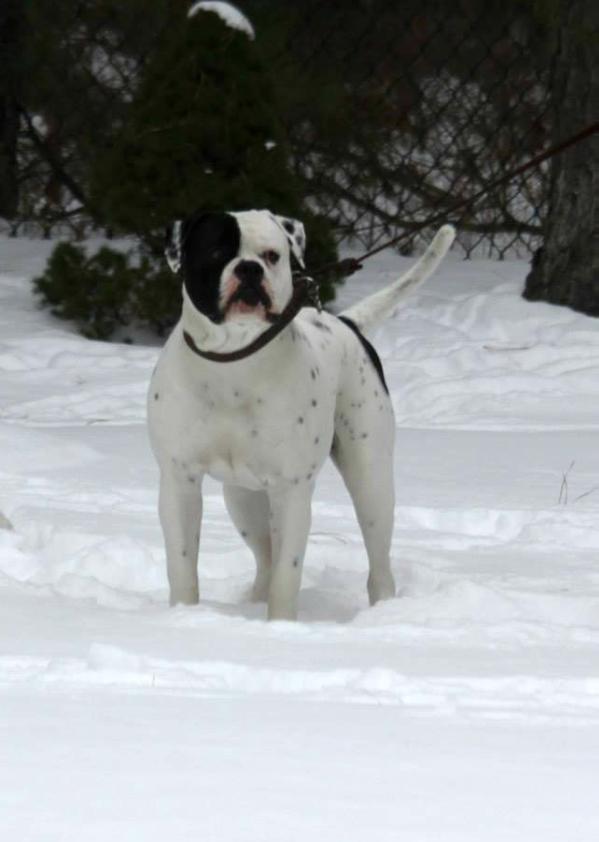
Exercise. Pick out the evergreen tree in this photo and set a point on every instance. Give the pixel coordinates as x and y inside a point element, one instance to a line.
<point>202,131</point>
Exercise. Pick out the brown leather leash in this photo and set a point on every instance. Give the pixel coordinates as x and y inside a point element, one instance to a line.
<point>305,289</point>
<point>350,265</point>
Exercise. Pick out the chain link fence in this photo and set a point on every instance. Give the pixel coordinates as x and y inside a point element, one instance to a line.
<point>393,110</point>
<point>442,99</point>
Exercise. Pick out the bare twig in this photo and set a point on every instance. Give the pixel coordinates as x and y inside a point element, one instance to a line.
<point>563,492</point>
<point>586,493</point>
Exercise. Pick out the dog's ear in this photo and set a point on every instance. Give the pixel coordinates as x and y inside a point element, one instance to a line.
<point>177,237</point>
<point>296,234</point>
<point>173,247</point>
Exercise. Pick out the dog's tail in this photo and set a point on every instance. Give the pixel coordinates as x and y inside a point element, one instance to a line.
<point>383,304</point>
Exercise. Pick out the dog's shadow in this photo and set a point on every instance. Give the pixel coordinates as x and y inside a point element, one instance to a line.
<point>315,606</point>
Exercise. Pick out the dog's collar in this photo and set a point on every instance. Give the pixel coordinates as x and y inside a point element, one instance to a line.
<point>305,293</point>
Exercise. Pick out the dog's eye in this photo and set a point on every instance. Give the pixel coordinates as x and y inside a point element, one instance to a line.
<point>271,257</point>
<point>216,254</point>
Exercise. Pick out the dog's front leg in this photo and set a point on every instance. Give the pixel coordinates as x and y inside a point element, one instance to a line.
<point>290,524</point>
<point>180,508</point>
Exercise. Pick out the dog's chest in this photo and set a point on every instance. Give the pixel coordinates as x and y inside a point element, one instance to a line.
<point>249,435</point>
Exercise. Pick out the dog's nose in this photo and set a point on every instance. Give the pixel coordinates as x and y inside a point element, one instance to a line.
<point>249,272</point>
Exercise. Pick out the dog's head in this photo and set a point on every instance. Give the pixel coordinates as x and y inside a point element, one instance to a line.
<point>236,265</point>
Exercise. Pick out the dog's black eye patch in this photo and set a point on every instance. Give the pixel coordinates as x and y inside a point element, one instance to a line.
<point>208,242</point>
<point>369,348</point>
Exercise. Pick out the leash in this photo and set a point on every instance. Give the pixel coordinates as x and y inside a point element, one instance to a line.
<point>349,265</point>
<point>305,288</point>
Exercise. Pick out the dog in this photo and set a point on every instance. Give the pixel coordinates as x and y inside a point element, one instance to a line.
<point>265,425</point>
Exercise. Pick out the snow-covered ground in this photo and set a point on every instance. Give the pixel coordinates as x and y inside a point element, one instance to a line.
<point>466,710</point>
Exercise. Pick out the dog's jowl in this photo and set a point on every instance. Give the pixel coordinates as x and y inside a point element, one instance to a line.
<point>264,425</point>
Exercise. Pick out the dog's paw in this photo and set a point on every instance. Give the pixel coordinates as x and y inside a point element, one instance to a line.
<point>189,596</point>
<point>380,587</point>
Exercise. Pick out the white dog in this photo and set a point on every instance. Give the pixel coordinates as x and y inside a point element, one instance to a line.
<point>264,425</point>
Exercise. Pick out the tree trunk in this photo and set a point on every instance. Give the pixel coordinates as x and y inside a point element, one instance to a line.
<point>566,269</point>
<point>10,31</point>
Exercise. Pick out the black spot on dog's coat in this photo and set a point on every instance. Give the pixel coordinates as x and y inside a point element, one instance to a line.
<point>369,348</point>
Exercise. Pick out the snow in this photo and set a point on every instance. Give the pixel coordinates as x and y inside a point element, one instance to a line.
<point>228,13</point>
<point>467,709</point>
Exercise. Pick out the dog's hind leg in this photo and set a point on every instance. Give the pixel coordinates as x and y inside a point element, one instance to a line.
<point>366,466</point>
<point>250,512</point>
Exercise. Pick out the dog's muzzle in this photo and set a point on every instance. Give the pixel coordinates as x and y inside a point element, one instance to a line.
<point>251,289</point>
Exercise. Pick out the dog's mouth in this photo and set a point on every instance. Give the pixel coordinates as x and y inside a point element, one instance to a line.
<point>250,299</point>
